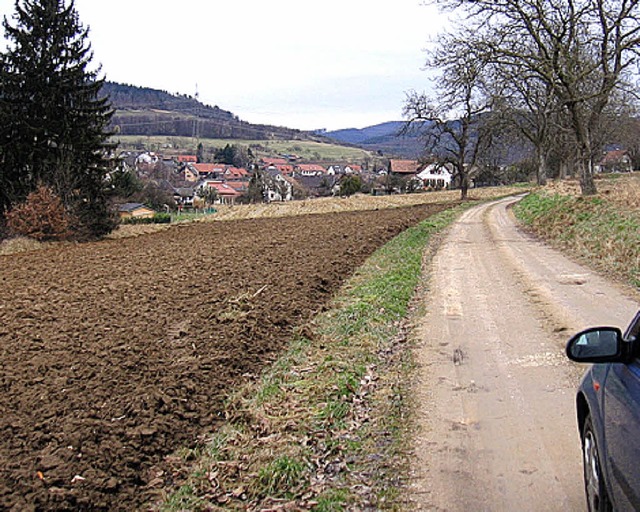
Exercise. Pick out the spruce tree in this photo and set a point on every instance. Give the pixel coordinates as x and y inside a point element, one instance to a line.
<point>53,119</point>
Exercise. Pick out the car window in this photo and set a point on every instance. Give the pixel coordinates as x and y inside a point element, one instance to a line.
<point>633,331</point>
<point>633,335</point>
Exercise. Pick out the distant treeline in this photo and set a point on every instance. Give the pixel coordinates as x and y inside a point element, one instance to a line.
<point>144,111</point>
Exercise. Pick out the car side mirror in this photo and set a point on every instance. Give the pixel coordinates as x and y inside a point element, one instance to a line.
<point>597,345</point>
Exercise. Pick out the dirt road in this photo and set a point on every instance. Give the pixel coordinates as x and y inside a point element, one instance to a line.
<point>496,394</point>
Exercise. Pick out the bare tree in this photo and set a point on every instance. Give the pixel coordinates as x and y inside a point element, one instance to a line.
<point>529,106</point>
<point>581,50</point>
<point>455,116</point>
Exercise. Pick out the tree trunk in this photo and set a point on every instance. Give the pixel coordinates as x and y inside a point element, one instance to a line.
<point>542,168</point>
<point>584,157</point>
<point>564,171</point>
<point>587,183</point>
<point>464,186</point>
<point>585,166</point>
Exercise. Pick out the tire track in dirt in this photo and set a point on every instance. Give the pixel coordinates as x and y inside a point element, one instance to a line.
<point>570,295</point>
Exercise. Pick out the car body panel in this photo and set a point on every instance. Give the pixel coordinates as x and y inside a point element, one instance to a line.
<point>610,394</point>
<point>622,434</point>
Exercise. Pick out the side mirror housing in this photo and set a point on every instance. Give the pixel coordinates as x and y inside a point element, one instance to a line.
<point>598,345</point>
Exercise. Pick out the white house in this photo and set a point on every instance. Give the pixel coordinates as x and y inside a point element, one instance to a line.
<point>277,187</point>
<point>438,176</point>
<point>147,158</point>
<point>617,160</point>
<point>310,170</point>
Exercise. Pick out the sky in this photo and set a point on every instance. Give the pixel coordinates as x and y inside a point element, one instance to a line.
<point>328,64</point>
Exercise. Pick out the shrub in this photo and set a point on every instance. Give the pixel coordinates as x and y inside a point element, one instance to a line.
<point>41,217</point>
<point>350,185</point>
<point>158,218</point>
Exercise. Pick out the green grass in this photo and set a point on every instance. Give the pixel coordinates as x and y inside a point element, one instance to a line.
<point>190,215</point>
<point>307,150</point>
<point>281,477</point>
<point>183,499</point>
<point>331,501</point>
<point>599,231</point>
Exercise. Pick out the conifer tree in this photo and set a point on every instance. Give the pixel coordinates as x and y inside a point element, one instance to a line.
<point>53,120</point>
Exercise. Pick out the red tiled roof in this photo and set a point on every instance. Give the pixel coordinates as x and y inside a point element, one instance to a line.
<point>404,166</point>
<point>275,161</point>
<point>223,189</point>
<point>285,169</point>
<point>311,168</point>
<point>207,168</point>
<point>237,172</point>
<point>239,186</point>
<point>187,158</point>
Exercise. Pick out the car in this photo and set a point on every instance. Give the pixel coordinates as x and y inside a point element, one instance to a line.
<point>608,411</point>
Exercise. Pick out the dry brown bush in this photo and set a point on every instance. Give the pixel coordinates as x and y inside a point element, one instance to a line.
<point>41,217</point>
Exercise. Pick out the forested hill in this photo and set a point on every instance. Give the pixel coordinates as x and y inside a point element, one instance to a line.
<point>384,137</point>
<point>145,111</point>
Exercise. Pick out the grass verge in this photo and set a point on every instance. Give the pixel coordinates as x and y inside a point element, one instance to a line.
<point>324,428</point>
<point>598,230</point>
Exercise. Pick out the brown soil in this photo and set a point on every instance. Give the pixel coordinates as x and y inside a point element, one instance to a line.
<point>115,354</point>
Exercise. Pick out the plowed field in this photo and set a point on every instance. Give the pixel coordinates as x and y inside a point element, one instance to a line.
<point>114,354</point>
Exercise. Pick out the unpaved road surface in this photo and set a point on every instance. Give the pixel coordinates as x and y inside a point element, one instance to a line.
<point>496,394</point>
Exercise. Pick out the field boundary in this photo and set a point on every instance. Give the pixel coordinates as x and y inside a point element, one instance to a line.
<point>326,427</point>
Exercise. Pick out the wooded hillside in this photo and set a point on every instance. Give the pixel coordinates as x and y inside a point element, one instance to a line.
<point>145,111</point>
<point>385,137</point>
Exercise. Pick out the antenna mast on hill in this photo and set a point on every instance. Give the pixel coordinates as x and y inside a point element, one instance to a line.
<point>195,134</point>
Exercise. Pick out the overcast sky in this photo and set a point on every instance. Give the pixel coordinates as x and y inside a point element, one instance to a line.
<point>321,64</point>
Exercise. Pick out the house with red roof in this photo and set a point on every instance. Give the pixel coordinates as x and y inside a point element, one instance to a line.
<point>239,186</point>
<point>617,160</point>
<point>187,159</point>
<point>204,170</point>
<point>286,169</point>
<point>269,161</point>
<point>235,173</point>
<point>404,167</point>
<point>226,193</point>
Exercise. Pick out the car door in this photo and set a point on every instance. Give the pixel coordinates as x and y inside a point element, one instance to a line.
<point>622,434</point>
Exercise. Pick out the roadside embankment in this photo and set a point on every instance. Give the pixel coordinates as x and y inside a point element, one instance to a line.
<point>602,231</point>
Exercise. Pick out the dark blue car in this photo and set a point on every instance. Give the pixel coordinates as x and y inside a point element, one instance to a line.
<point>608,407</point>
